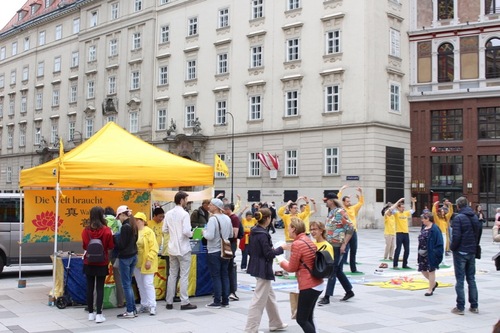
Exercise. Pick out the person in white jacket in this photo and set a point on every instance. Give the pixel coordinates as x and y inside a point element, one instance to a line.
<point>178,226</point>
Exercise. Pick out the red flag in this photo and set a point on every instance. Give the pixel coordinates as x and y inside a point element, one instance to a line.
<point>263,160</point>
<point>274,160</point>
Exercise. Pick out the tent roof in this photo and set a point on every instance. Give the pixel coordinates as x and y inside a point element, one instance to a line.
<point>114,158</point>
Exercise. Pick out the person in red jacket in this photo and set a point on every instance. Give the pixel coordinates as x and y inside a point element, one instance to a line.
<point>96,271</point>
<point>303,253</point>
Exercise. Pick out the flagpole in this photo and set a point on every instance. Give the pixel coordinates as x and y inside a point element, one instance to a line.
<point>232,154</point>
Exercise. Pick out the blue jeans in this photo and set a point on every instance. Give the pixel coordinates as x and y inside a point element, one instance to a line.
<point>465,267</point>
<point>218,268</point>
<point>351,251</point>
<point>126,271</point>
<point>338,273</point>
<point>402,239</point>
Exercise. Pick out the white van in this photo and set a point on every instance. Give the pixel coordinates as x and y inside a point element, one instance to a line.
<point>32,253</point>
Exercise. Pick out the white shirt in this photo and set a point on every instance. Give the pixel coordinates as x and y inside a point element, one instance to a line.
<point>178,225</point>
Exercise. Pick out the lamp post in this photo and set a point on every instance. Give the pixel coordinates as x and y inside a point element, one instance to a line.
<point>232,154</point>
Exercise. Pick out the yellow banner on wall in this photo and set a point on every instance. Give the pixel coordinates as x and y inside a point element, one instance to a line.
<point>74,209</point>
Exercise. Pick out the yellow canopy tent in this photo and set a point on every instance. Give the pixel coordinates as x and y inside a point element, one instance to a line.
<point>114,158</point>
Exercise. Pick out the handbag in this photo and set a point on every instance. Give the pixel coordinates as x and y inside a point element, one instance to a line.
<point>225,245</point>
<point>294,300</point>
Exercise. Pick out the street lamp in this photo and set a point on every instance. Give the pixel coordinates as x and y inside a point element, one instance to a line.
<point>232,154</point>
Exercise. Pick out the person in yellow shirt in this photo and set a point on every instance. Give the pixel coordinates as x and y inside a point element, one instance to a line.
<point>389,232</point>
<point>248,223</point>
<point>442,220</point>
<point>318,232</point>
<point>352,211</point>
<point>311,212</point>
<point>156,224</point>
<point>293,211</point>
<point>401,216</point>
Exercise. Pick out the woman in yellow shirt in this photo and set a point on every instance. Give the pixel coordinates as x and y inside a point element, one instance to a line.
<point>318,232</point>
<point>389,233</point>
<point>248,223</point>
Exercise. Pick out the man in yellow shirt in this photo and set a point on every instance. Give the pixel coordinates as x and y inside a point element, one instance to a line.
<point>401,216</point>
<point>293,211</point>
<point>352,211</point>
<point>311,212</point>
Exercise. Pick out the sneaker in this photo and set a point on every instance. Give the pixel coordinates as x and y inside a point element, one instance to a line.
<point>143,309</point>
<point>170,306</point>
<point>407,267</point>
<point>224,306</point>
<point>233,297</point>
<point>188,306</point>
<point>213,306</point>
<point>324,301</point>
<point>177,299</point>
<point>348,295</point>
<point>100,318</point>
<point>457,311</point>
<point>281,328</point>
<point>92,316</point>
<point>152,311</point>
<point>474,310</point>
<point>126,315</point>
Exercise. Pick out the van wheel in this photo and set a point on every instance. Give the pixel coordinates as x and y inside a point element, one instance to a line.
<point>2,264</point>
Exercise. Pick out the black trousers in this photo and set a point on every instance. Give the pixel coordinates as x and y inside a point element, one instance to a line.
<point>402,239</point>
<point>98,283</point>
<point>305,309</point>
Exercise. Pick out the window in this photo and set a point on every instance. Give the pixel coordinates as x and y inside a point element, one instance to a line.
<point>40,69</point>
<point>332,99</point>
<point>395,97</point>
<point>75,59</point>
<point>257,9</point>
<point>90,89</point>
<point>163,2</point>
<point>58,32</point>
<point>162,120</point>
<point>395,42</point>
<point>113,47</point>
<point>255,107</point>
<point>39,99</point>
<point>38,135</point>
<point>446,125</point>
<point>89,128</point>
<point>220,112</point>
<point>222,67</point>
<point>163,75</point>
<point>292,49</point>
<point>73,93</point>
<point>291,161</point>
<point>13,76</point>
<point>253,165</point>
<point>2,81</point>
<point>292,4</point>
<point>190,115</point>
<point>25,73</point>
<point>445,9</point>
<point>2,53</point>
<point>1,107</point>
<point>447,171</point>
<point>71,130</point>
<point>222,156</point>
<point>12,104</point>
<point>93,19</point>
<point>331,161</point>
<point>333,42</point>
<point>92,53</point>
<point>22,137</point>
<point>10,144</point>
<point>256,57</point>
<point>48,3</point>
<point>489,123</point>
<point>492,58</point>
<point>53,133</point>
<point>291,103</point>
<point>111,85</point>
<point>137,5</point>
<point>26,43</point>
<point>76,25</point>
<point>134,80</point>
<point>134,122</point>
<point>57,64</point>
<point>191,70</point>
<point>24,104</point>
<point>14,48</point>
<point>165,34</point>
<point>445,63</point>
<point>41,38</point>
<point>136,41</point>
<point>114,11</point>
<point>223,20</point>
<point>55,97</point>
<point>193,26</point>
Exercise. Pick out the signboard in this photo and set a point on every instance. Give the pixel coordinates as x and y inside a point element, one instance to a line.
<point>352,178</point>
<point>74,210</point>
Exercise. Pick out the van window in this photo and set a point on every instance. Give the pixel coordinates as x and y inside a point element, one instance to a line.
<point>10,209</point>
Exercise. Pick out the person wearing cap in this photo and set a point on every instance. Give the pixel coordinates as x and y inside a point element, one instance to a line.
<point>126,245</point>
<point>339,230</point>
<point>178,226</point>
<point>147,264</point>
<point>401,216</point>
<point>442,220</point>
<point>352,212</point>
<point>219,225</point>
<point>430,251</point>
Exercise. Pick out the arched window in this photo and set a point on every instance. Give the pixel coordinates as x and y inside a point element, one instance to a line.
<point>492,58</point>
<point>445,63</point>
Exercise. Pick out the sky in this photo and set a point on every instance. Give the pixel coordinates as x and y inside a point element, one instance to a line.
<point>9,9</point>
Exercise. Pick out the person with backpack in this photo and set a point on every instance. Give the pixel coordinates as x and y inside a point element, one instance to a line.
<point>318,232</point>
<point>125,243</point>
<point>97,240</point>
<point>260,266</point>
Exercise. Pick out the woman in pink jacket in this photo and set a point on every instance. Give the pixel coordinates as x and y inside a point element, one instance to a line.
<point>303,252</point>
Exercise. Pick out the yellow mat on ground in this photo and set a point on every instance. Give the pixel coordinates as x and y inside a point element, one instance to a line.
<point>406,283</point>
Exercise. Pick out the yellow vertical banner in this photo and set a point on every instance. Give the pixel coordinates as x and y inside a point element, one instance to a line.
<point>74,209</point>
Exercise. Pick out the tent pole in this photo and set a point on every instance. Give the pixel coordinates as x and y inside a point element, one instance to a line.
<point>54,261</point>
<point>21,231</point>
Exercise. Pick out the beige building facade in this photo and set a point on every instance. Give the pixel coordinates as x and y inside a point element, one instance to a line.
<point>321,84</point>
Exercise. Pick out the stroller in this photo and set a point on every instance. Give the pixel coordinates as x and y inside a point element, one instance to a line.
<point>66,299</point>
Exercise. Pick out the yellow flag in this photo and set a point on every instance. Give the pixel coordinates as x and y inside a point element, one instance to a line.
<point>220,166</point>
<point>61,154</point>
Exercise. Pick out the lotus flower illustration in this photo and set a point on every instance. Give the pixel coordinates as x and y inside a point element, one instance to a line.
<point>45,221</point>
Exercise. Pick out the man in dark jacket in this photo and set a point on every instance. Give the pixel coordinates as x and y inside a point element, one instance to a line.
<point>465,238</point>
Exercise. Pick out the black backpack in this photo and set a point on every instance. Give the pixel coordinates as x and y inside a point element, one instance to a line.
<point>95,251</point>
<point>323,263</point>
